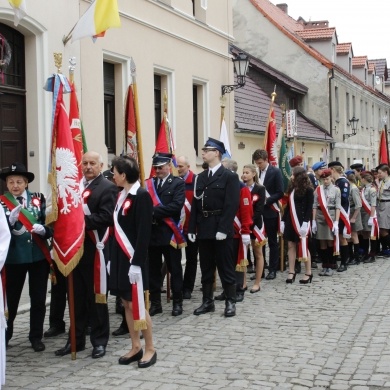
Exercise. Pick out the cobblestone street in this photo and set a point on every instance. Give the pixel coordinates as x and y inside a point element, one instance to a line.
<point>332,334</point>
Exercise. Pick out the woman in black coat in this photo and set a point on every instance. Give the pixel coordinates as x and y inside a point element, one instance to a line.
<point>129,265</point>
<point>295,222</point>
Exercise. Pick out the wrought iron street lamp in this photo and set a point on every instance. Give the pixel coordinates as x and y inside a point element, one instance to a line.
<point>240,63</point>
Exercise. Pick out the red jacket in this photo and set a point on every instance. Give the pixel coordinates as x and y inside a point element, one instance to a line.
<point>245,212</point>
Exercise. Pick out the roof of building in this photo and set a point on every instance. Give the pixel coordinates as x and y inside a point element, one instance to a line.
<point>359,61</point>
<point>344,48</point>
<point>371,67</point>
<point>380,67</point>
<point>317,34</point>
<point>252,107</point>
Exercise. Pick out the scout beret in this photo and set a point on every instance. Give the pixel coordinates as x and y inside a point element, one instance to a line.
<point>295,161</point>
<point>318,165</point>
<point>325,173</point>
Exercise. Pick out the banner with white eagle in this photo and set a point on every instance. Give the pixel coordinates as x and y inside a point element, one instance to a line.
<point>66,213</point>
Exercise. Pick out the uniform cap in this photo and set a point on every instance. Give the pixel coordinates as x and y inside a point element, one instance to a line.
<point>325,173</point>
<point>335,164</point>
<point>161,159</point>
<point>295,161</point>
<point>350,171</point>
<point>318,165</point>
<point>213,143</point>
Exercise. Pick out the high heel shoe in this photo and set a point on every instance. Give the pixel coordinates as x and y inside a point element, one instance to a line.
<point>292,280</point>
<point>306,281</point>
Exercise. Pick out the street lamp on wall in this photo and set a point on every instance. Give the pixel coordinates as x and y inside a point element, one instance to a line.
<point>240,63</point>
<point>354,125</point>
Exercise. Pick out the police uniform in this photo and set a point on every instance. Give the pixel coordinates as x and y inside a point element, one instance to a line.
<point>171,196</point>
<point>216,201</point>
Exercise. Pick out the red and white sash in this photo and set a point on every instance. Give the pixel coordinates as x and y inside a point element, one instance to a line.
<point>344,216</point>
<point>137,289</point>
<point>275,206</point>
<point>242,261</point>
<point>303,252</point>
<point>374,234</point>
<point>99,269</point>
<point>329,221</point>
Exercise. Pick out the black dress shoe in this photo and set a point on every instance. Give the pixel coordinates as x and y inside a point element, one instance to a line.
<point>37,345</point>
<point>220,297</point>
<point>148,363</point>
<point>240,296</point>
<point>342,268</point>
<point>98,351</point>
<point>271,275</point>
<point>120,331</point>
<point>155,309</point>
<point>53,331</point>
<point>206,307</point>
<point>186,294</point>
<point>177,309</point>
<point>127,360</point>
<point>66,350</point>
<point>230,308</point>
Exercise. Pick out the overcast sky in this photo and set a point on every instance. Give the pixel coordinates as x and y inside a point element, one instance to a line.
<point>364,23</point>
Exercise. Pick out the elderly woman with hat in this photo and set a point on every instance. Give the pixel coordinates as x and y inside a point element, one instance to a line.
<point>325,224</point>
<point>355,218</point>
<point>28,251</point>
<point>368,212</point>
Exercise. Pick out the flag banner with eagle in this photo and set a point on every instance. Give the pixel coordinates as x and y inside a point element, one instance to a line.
<point>66,212</point>
<point>383,148</point>
<point>76,128</point>
<point>131,125</point>
<point>270,141</point>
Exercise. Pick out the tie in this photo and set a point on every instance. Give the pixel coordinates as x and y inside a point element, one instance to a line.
<point>86,184</point>
<point>159,185</point>
<point>210,174</point>
<point>20,199</point>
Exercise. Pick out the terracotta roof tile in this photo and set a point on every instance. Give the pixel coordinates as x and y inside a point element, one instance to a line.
<point>343,48</point>
<point>380,67</point>
<point>359,61</point>
<point>371,67</point>
<point>317,34</point>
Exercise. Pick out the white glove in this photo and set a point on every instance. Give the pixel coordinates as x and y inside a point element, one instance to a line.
<point>282,226</point>
<point>192,237</point>
<point>108,267</point>
<point>370,221</point>
<point>246,239</point>
<point>135,274</point>
<point>314,226</point>
<point>220,236</point>
<point>14,215</point>
<point>303,229</point>
<point>335,229</point>
<point>38,229</point>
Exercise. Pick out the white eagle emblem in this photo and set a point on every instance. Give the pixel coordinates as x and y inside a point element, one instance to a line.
<point>67,179</point>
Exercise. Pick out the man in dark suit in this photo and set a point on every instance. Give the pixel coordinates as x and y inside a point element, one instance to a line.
<point>271,178</point>
<point>215,203</point>
<point>167,192</point>
<point>99,199</point>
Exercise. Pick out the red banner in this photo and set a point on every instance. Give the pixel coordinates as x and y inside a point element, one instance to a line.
<point>66,212</point>
<point>270,141</point>
<point>383,149</point>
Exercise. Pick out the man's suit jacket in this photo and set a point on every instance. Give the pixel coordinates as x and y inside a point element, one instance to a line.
<point>101,203</point>
<point>273,183</point>
<point>172,197</point>
<point>220,192</point>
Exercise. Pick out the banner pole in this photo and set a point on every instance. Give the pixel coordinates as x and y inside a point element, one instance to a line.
<point>72,316</point>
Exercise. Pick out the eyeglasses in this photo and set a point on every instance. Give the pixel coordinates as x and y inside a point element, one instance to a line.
<point>159,167</point>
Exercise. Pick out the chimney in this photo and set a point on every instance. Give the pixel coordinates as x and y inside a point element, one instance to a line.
<point>283,7</point>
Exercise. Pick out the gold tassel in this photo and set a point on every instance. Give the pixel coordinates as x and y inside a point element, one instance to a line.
<point>100,298</point>
<point>303,259</point>
<point>262,243</point>
<point>140,325</point>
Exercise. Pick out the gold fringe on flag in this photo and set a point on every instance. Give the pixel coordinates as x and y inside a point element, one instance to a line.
<point>140,325</point>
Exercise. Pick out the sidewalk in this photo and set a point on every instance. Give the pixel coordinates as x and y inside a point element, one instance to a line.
<point>332,334</point>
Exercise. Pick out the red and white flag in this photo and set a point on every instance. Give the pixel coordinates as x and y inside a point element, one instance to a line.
<point>270,140</point>
<point>66,212</point>
<point>383,148</point>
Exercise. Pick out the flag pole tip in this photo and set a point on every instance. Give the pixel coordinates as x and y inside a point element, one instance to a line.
<point>58,61</point>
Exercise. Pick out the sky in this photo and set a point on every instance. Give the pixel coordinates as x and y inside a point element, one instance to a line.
<point>364,23</point>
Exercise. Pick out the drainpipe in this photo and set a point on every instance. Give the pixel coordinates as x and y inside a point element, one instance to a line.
<point>331,77</point>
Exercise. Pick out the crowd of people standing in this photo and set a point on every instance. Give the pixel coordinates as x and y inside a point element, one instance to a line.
<point>326,213</point>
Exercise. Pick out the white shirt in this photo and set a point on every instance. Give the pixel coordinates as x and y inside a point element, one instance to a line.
<point>214,169</point>
<point>262,174</point>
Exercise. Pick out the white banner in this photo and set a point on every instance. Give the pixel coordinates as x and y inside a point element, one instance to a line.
<point>291,123</point>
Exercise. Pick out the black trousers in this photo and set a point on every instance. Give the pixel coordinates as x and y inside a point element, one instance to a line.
<point>191,265</point>
<point>271,227</point>
<point>86,308</point>
<point>38,273</point>
<point>172,258</point>
<point>58,300</point>
<point>217,254</point>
